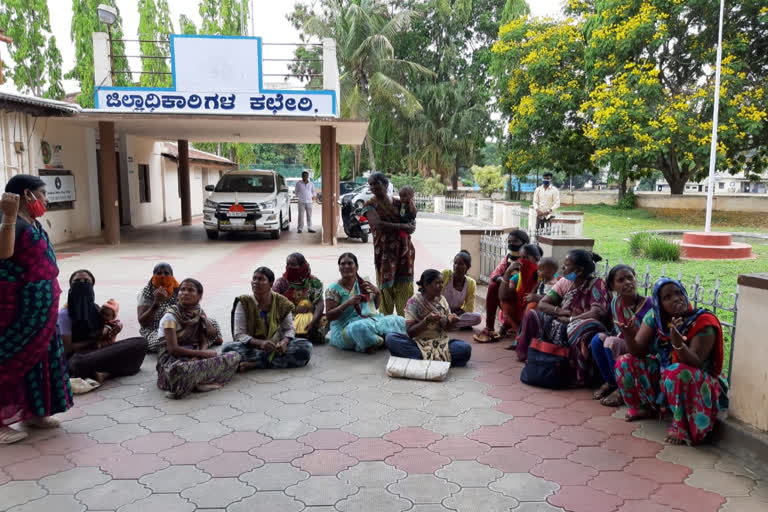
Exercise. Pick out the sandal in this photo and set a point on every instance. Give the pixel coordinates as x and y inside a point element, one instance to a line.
<point>613,400</point>
<point>486,336</point>
<point>603,391</point>
<point>10,435</point>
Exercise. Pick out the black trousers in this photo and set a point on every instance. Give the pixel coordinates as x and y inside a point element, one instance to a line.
<point>120,359</point>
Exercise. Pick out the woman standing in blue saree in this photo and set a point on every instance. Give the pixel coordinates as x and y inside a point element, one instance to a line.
<point>34,383</point>
<point>350,305</point>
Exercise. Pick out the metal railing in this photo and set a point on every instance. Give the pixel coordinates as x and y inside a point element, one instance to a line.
<point>424,203</point>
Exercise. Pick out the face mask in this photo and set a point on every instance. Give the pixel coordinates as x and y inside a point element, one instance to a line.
<point>546,182</point>
<point>571,277</point>
<point>36,208</point>
<point>167,282</point>
<point>514,248</point>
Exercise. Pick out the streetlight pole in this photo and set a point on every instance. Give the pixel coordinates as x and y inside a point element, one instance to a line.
<point>713,147</point>
<point>111,55</point>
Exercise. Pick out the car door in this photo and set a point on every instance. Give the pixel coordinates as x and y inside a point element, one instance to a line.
<point>283,197</point>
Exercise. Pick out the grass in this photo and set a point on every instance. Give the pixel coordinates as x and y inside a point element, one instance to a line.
<point>653,247</point>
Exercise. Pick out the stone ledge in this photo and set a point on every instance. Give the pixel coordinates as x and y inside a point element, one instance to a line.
<point>743,441</point>
<point>759,280</point>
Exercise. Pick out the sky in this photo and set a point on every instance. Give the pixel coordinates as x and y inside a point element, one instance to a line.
<point>269,22</point>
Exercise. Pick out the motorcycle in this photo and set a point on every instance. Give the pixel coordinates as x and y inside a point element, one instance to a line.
<point>355,223</point>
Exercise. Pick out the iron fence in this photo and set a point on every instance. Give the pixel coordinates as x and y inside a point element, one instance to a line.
<point>424,203</point>
<point>454,205</point>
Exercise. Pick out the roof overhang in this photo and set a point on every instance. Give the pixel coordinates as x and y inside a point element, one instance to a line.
<point>227,128</point>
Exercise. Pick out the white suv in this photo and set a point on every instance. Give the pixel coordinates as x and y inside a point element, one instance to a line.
<point>248,200</point>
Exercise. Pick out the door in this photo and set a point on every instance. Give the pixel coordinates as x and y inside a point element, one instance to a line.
<point>119,188</point>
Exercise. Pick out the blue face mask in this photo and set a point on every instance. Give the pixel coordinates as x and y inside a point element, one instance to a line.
<point>546,182</point>
<point>571,277</point>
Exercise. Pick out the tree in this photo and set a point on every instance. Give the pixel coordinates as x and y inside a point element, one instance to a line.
<point>489,179</point>
<point>224,17</point>
<point>186,25</point>
<point>515,9</point>
<point>155,25</point>
<point>650,67</point>
<point>84,23</point>
<point>37,61</point>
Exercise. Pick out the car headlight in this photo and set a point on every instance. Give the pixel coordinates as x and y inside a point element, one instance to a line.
<point>268,205</point>
<point>210,204</point>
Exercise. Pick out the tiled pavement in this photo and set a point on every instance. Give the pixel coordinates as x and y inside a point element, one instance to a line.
<point>340,435</point>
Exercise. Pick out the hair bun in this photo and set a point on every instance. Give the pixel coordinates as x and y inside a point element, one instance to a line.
<point>596,257</point>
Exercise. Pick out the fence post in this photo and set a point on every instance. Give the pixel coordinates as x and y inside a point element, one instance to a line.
<point>485,210</point>
<point>469,206</point>
<point>498,214</point>
<point>439,204</point>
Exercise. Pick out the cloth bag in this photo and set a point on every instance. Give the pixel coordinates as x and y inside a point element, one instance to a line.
<point>420,369</point>
<point>548,365</point>
<point>83,386</point>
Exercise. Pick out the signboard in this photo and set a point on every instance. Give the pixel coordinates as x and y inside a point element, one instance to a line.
<point>216,75</point>
<point>59,187</point>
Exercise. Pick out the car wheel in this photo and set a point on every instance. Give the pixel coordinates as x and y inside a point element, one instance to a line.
<point>285,227</point>
<point>364,238</point>
<point>359,203</point>
<point>212,235</point>
<point>275,234</point>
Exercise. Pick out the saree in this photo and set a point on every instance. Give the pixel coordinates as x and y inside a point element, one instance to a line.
<point>432,342</point>
<point>524,282</point>
<point>34,381</point>
<point>306,291</point>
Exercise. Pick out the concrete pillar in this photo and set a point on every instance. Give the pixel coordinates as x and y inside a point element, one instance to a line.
<point>511,216</point>
<point>485,210</point>
<point>331,70</point>
<point>557,247</point>
<point>439,204</point>
<point>186,201</point>
<point>469,206</point>
<point>531,219</point>
<point>579,216</point>
<point>329,168</point>
<point>498,214</point>
<point>102,72</point>
<point>749,380</point>
<point>108,165</point>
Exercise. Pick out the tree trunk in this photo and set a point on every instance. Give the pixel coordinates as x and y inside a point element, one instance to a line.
<point>371,156</point>
<point>675,176</point>
<point>622,185</point>
<point>455,175</point>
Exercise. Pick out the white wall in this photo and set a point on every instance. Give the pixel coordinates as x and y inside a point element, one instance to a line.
<point>196,187</point>
<point>147,152</point>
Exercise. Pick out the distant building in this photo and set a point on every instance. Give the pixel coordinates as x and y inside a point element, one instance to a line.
<point>725,183</point>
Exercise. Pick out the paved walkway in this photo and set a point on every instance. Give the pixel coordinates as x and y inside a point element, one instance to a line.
<point>340,435</point>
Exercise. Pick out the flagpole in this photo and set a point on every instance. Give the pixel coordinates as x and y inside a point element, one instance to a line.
<point>713,148</point>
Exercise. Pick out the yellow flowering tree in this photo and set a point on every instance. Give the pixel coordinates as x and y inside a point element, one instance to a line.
<point>649,67</point>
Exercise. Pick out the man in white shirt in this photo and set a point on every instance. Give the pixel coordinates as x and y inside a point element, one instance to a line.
<point>546,200</point>
<point>305,193</point>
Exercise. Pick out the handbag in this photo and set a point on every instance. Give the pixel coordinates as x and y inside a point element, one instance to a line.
<point>548,365</point>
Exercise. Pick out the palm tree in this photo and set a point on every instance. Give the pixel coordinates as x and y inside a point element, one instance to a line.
<point>371,76</point>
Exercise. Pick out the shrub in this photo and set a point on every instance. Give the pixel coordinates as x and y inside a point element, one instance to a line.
<point>653,247</point>
<point>628,202</point>
<point>489,178</point>
<point>433,186</point>
<point>638,243</point>
<point>416,181</point>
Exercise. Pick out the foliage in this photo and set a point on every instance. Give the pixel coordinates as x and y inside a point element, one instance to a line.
<point>627,201</point>
<point>155,25</point>
<point>416,181</point>
<point>84,23</point>
<point>224,17</point>
<point>489,179</point>
<point>433,186</point>
<point>186,25</point>
<point>36,59</point>
<point>661,249</point>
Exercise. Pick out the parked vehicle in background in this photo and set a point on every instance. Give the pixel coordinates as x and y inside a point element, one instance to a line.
<point>247,200</point>
<point>354,222</point>
<point>359,196</point>
<point>291,184</point>
<point>345,187</point>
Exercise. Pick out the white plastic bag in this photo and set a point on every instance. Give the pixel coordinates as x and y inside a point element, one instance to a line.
<point>420,369</point>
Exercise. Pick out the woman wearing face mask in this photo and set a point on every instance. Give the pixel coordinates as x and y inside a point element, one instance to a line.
<point>160,293</point>
<point>515,241</point>
<point>305,291</point>
<point>34,382</point>
<point>82,330</point>
<point>571,314</point>
<point>675,363</point>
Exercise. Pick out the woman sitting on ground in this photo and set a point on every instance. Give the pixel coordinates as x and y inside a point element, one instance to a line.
<point>520,280</point>
<point>570,315</point>
<point>185,363</point>
<point>158,295</point>
<point>675,363</point>
<point>89,340</point>
<point>351,304</point>
<point>428,318</point>
<point>459,292</point>
<point>262,325</point>
<point>627,308</point>
<point>305,291</point>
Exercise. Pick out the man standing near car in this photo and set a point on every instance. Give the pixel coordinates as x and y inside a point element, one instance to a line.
<point>305,194</point>
<point>546,200</point>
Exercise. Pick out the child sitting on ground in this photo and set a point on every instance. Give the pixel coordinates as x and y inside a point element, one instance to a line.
<point>112,326</point>
<point>407,212</point>
<point>547,274</point>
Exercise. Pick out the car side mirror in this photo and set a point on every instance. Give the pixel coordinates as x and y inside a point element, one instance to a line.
<point>210,188</point>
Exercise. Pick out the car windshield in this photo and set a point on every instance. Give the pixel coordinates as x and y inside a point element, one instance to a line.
<point>246,183</point>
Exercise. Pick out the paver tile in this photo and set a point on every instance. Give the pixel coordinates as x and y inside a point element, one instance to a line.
<point>610,425</point>
<point>738,504</point>
<point>72,414</point>
<point>332,403</point>
<point>159,503</point>
<point>203,432</point>
<point>53,502</point>
<point>215,413</point>
<point>324,462</point>
<point>599,458</point>
<point>508,393</point>
<point>190,453</point>
<point>240,441</point>
<point>369,410</point>
<point>580,498</point>
<point>112,495</point>
<point>230,464</point>
<point>373,499</point>
<point>624,485</point>
<point>74,480</point>
<point>413,437</point>
<point>452,426</point>
<point>288,429</point>
<point>459,448</point>
<point>548,399</point>
<point>18,493</point>
<point>174,479</point>
<point>409,417</point>
<point>695,457</point>
<point>688,498</point>
<point>62,444</point>
<point>18,453</point>
<point>591,407</point>
<point>646,506</point>
<point>134,465</point>
<point>658,470</point>
<point>119,433</point>
<point>122,390</point>
<point>274,476</point>
<point>632,446</point>
<point>328,439</point>
<point>531,426</point>
<point>267,502</point>
<point>280,450</point>
<point>153,443</point>
<point>105,407</point>
<point>423,488</point>
<point>328,419</point>
<point>168,423</point>
<point>509,460</point>
<point>469,473</point>
<point>136,414</point>
<point>563,416</point>
<point>371,448</point>
<point>538,506</point>
<point>417,460</point>
<point>282,411</point>
<point>524,487</point>
<point>446,408</point>
<point>564,472</point>
<point>518,408</point>
<point>249,421</point>
<point>296,396</point>
<point>218,493</point>
<point>547,447</point>
<point>485,416</point>
<point>580,436</point>
<point>98,454</point>
<point>725,484</point>
<point>372,474</point>
<point>87,424</point>
<point>321,490</point>
<point>37,468</point>
<point>473,499</point>
<point>405,401</point>
<point>429,507</point>
<point>370,427</point>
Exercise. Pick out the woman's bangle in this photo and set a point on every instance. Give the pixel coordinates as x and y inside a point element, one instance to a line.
<point>570,319</point>
<point>678,347</point>
<point>7,226</point>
